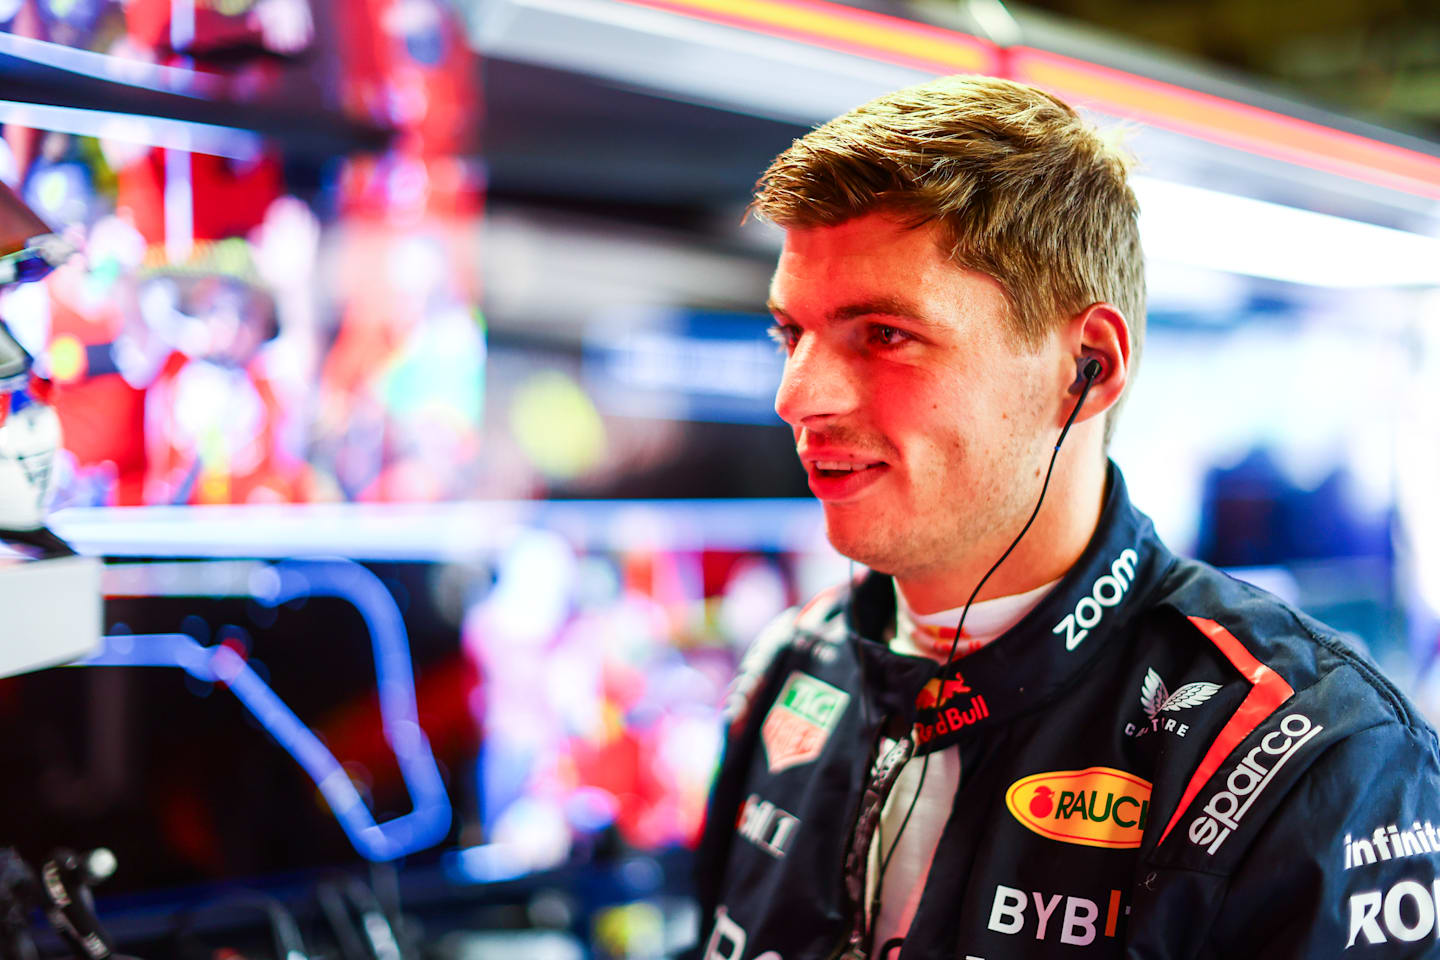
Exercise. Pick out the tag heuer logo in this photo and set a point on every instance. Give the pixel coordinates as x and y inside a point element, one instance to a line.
<point>800,721</point>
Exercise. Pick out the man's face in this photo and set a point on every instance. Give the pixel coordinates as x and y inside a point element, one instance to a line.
<point>921,420</point>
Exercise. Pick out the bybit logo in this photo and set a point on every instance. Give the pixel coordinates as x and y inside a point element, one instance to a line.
<point>1075,924</point>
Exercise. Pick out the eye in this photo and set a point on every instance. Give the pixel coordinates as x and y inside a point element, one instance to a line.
<point>784,335</point>
<point>888,336</point>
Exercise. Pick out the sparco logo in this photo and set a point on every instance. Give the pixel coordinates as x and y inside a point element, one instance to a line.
<point>1224,811</point>
<point>1096,807</point>
<point>766,825</point>
<point>1405,912</point>
<point>1108,590</point>
<point>1156,699</point>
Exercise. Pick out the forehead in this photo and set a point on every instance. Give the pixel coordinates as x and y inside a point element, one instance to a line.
<point>861,246</point>
<point>877,259</point>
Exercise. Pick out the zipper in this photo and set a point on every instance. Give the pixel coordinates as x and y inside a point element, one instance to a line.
<point>840,952</point>
<point>884,772</point>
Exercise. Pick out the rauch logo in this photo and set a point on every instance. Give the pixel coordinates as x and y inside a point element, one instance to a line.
<point>1096,807</point>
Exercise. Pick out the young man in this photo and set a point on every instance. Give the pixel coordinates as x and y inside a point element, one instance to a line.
<point>1122,750</point>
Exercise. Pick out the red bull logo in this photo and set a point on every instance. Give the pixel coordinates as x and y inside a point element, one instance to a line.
<point>939,692</point>
<point>951,718</point>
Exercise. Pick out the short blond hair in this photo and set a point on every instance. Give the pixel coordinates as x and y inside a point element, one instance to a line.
<point>1023,188</point>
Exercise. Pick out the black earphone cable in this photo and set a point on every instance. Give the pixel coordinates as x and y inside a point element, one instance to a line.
<point>1090,371</point>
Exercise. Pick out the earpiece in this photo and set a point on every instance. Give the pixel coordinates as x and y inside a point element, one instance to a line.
<point>1087,370</point>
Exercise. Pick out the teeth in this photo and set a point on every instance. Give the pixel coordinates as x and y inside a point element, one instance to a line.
<point>837,465</point>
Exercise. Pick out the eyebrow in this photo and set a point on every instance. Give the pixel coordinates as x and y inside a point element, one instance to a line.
<point>887,306</point>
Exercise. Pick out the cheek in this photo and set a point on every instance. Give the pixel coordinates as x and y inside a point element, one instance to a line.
<point>925,407</point>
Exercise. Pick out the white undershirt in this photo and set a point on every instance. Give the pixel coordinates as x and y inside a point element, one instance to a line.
<point>929,635</point>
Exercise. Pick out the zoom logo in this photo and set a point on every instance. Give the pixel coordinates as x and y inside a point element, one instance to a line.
<point>1107,591</point>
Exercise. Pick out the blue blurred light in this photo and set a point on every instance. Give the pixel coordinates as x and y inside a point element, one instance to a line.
<point>165,132</point>
<point>444,531</point>
<point>113,69</point>
<point>429,820</point>
<point>486,863</point>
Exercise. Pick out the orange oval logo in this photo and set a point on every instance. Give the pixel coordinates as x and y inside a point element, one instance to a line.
<point>1097,806</point>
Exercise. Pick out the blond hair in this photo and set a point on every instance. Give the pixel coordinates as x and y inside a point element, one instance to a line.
<point>1024,190</point>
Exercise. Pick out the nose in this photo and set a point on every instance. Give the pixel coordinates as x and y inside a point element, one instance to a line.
<point>817,384</point>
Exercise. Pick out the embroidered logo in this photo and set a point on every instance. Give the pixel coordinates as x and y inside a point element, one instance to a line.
<point>1095,807</point>
<point>1157,700</point>
<point>766,825</point>
<point>1223,812</point>
<point>1107,591</point>
<point>938,693</point>
<point>800,721</point>
<point>951,718</point>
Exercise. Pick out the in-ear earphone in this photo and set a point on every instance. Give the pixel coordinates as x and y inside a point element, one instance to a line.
<point>1087,371</point>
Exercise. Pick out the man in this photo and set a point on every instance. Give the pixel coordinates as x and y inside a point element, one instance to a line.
<point>1121,750</point>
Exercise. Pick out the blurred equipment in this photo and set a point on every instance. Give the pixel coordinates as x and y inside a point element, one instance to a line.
<point>227,663</point>
<point>51,602</point>
<point>61,893</point>
<point>28,248</point>
<point>29,428</point>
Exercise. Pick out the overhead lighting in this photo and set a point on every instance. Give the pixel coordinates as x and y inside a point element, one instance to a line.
<point>1222,231</point>
<point>173,134</point>
<point>437,532</point>
<point>113,69</point>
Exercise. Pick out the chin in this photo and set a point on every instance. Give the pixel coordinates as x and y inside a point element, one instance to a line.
<point>862,542</point>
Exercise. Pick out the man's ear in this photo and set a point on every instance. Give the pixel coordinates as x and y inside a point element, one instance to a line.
<point>1101,333</point>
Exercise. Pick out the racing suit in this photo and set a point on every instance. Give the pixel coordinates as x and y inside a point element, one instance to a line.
<point>1158,761</point>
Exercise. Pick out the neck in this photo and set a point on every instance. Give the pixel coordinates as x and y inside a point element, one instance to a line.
<point>1064,526</point>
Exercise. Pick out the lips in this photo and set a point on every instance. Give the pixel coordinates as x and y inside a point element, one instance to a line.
<point>841,466</point>
<point>837,476</point>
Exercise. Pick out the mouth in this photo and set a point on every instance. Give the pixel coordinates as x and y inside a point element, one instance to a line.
<point>842,468</point>
<point>840,480</point>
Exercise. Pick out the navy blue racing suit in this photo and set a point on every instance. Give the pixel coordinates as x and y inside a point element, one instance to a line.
<point>1159,761</point>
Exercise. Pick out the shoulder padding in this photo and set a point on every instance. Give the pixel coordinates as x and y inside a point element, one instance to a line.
<point>766,646</point>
